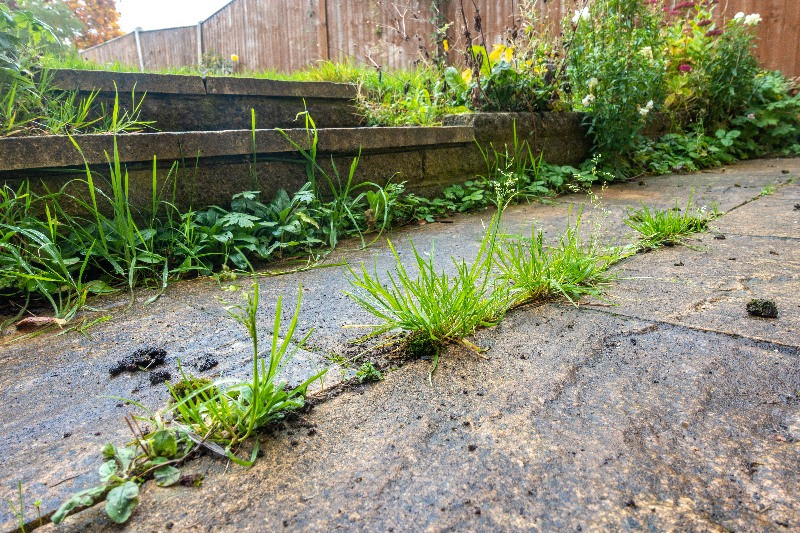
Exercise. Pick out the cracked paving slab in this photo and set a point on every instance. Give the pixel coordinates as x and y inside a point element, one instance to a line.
<point>54,386</point>
<point>707,283</point>
<point>580,421</point>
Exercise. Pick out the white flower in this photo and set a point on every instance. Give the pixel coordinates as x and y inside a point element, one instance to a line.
<point>647,52</point>
<point>646,109</point>
<point>583,14</point>
<point>751,116</point>
<point>738,16</point>
<point>752,19</point>
<point>589,100</point>
<point>593,84</point>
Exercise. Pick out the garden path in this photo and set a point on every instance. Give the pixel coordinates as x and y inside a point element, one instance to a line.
<point>665,407</point>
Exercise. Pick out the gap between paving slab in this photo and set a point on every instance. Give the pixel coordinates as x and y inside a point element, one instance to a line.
<point>188,322</point>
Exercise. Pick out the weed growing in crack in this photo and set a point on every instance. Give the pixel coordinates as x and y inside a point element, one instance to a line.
<point>236,411</point>
<point>668,227</point>
<point>368,372</point>
<point>768,189</point>
<point>572,268</point>
<point>218,416</point>
<point>437,307</point>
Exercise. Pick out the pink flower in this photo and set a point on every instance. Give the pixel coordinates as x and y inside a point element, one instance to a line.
<point>685,67</point>
<point>712,33</point>
<point>685,5</point>
<point>705,22</point>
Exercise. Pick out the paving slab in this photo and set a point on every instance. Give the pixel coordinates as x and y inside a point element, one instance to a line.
<point>52,386</point>
<point>708,282</point>
<point>579,421</point>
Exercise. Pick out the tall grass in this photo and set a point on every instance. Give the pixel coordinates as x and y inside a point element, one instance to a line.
<point>237,410</point>
<point>434,306</point>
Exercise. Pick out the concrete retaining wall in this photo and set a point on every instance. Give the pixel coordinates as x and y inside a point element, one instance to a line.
<point>193,103</point>
<point>206,147</point>
<point>213,165</point>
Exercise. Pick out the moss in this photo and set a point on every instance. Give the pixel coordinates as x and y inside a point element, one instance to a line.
<point>762,308</point>
<point>418,346</point>
<point>190,384</point>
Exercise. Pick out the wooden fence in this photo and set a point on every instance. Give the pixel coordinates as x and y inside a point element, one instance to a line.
<point>286,35</point>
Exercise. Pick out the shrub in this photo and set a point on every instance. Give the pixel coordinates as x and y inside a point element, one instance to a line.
<point>616,70</point>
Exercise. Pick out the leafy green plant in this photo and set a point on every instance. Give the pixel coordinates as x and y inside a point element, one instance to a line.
<point>154,455</point>
<point>572,268</point>
<point>367,372</point>
<point>202,414</point>
<point>711,69</point>
<point>668,227</point>
<point>236,411</point>
<point>771,122</point>
<point>616,70</point>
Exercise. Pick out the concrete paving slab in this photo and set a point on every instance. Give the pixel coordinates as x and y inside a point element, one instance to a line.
<point>580,421</point>
<point>774,215</point>
<point>188,321</point>
<point>708,283</point>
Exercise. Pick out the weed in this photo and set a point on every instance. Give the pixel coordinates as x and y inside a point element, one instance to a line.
<point>434,306</point>
<point>572,268</point>
<point>203,414</point>
<point>668,227</point>
<point>367,372</point>
<point>768,189</point>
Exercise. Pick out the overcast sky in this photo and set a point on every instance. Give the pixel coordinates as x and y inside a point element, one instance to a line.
<point>156,14</point>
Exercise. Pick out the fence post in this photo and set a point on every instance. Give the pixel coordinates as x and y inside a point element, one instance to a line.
<point>139,48</point>
<point>200,44</point>
<point>323,40</point>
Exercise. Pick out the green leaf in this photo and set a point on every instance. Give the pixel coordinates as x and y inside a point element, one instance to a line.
<point>85,498</point>
<point>164,443</point>
<point>121,502</point>
<point>108,470</point>
<point>166,476</point>
<point>125,456</point>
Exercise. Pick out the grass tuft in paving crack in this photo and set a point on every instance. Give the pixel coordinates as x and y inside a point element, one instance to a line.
<point>762,308</point>
<point>669,227</point>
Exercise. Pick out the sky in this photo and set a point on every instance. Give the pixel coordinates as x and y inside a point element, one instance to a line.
<point>157,14</point>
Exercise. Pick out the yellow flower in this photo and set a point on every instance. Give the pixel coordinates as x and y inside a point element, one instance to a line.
<point>501,51</point>
<point>446,45</point>
<point>466,75</point>
<point>234,58</point>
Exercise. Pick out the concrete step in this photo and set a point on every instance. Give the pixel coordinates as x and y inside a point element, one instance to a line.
<point>195,103</point>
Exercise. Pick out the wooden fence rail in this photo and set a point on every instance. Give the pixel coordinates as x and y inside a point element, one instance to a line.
<point>287,35</point>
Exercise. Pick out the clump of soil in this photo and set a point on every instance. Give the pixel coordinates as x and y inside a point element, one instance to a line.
<point>205,362</point>
<point>762,308</point>
<point>159,376</point>
<point>142,359</point>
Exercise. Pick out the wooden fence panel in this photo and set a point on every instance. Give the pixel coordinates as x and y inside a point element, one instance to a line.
<point>280,35</point>
<point>122,50</point>
<point>286,35</point>
<point>162,49</point>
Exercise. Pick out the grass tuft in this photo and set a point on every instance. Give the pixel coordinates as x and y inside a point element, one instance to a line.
<point>434,306</point>
<point>668,227</point>
<point>572,268</point>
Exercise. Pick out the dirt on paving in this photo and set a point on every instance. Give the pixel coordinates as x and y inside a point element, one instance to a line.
<point>666,408</point>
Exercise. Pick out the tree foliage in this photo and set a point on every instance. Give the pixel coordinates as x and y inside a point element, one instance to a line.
<point>100,18</point>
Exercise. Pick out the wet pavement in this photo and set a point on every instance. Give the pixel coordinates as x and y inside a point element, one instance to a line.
<point>664,407</point>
